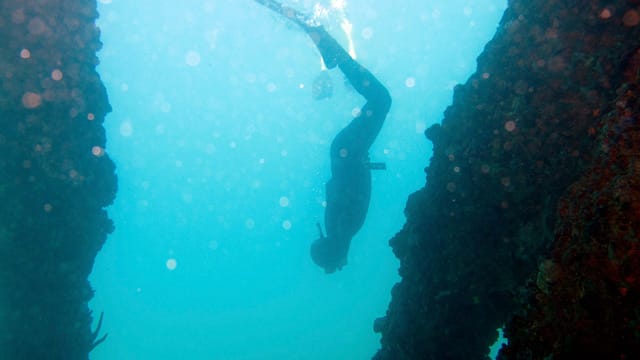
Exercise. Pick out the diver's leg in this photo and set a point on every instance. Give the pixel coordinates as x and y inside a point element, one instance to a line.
<point>362,79</point>
<point>365,127</point>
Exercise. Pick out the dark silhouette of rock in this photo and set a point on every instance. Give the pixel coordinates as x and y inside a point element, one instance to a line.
<point>530,212</point>
<point>56,178</point>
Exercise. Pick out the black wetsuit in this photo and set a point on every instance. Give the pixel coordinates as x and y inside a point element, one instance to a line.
<point>349,189</point>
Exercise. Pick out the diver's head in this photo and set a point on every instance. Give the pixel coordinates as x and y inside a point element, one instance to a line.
<point>327,255</point>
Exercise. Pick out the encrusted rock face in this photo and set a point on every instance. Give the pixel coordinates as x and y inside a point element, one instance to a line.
<point>55,177</point>
<point>529,185</point>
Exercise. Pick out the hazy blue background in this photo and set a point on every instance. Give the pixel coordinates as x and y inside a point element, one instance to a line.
<point>222,156</point>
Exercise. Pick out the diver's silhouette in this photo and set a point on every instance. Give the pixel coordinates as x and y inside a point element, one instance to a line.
<point>349,189</point>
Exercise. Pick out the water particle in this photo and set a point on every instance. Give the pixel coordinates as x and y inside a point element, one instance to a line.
<point>344,153</point>
<point>56,75</point>
<point>126,129</point>
<point>631,18</point>
<point>451,187</point>
<point>97,151</point>
<point>172,264</point>
<point>410,82</point>
<point>250,224</point>
<point>18,16</point>
<point>486,75</point>
<point>467,11</point>
<point>510,125</point>
<point>47,207</point>
<point>36,26</point>
<point>284,201</point>
<point>25,53</point>
<point>367,33</point>
<point>284,153</point>
<point>124,87</point>
<point>355,112</point>
<point>605,14</point>
<point>286,224</point>
<point>192,58</point>
<point>91,117</point>
<point>271,87</point>
<point>31,100</point>
<point>178,163</point>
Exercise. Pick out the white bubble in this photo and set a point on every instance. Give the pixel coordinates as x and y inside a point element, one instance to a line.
<point>410,82</point>
<point>284,153</point>
<point>192,58</point>
<point>284,201</point>
<point>171,264</point>
<point>367,33</point>
<point>126,129</point>
<point>286,224</point>
<point>355,112</point>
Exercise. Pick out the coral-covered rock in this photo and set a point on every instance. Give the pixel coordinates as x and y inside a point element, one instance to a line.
<point>55,180</point>
<point>524,128</point>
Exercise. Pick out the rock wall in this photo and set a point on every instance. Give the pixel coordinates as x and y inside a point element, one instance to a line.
<point>530,212</point>
<point>55,177</point>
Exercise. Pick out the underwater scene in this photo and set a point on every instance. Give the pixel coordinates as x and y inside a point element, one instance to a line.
<point>333,179</point>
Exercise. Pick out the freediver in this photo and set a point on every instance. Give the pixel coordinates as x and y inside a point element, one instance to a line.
<point>348,191</point>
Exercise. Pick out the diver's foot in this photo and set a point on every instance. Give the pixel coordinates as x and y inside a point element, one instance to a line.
<point>332,52</point>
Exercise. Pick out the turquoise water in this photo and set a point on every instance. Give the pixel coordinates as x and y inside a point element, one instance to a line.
<point>222,155</point>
